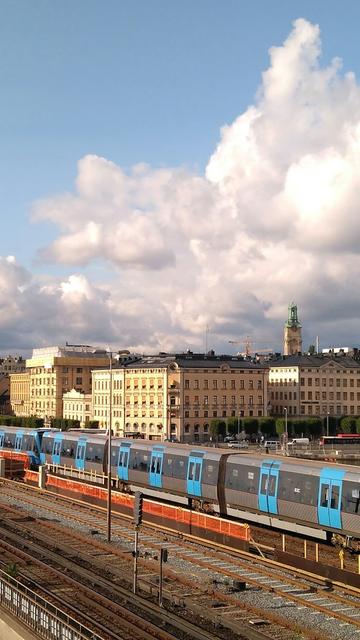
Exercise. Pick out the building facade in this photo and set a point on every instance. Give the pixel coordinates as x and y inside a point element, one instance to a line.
<point>12,364</point>
<point>177,396</point>
<point>20,394</point>
<point>77,406</point>
<point>54,371</point>
<point>317,385</point>
<point>292,332</point>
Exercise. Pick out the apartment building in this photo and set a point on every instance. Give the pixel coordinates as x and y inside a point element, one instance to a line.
<point>53,371</point>
<point>20,393</point>
<point>177,396</point>
<point>77,406</point>
<point>317,385</point>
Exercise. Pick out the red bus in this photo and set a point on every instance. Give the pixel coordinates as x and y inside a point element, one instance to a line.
<point>340,439</point>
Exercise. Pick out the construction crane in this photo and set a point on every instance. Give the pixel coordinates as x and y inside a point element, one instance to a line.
<point>248,343</point>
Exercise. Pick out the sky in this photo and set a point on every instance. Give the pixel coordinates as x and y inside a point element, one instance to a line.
<point>174,174</point>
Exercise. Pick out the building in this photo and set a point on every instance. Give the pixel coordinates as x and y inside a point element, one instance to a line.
<point>54,371</point>
<point>177,396</point>
<point>317,385</point>
<point>77,406</point>
<point>5,407</point>
<point>12,364</point>
<point>292,332</point>
<point>20,393</point>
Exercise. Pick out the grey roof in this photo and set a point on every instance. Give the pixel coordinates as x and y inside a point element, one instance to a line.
<point>315,361</point>
<point>192,361</point>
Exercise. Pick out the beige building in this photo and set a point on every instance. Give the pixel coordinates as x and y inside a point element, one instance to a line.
<point>318,385</point>
<point>54,371</point>
<point>20,393</point>
<point>292,332</point>
<point>77,406</point>
<point>177,396</point>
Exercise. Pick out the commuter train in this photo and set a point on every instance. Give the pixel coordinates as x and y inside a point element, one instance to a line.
<point>313,498</point>
<point>24,441</point>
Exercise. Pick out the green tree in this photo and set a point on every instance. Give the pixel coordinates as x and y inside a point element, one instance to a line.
<point>348,424</point>
<point>217,428</point>
<point>267,425</point>
<point>250,426</point>
<point>234,425</point>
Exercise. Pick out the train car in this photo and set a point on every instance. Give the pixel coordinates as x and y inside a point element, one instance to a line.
<point>303,496</point>
<point>71,449</point>
<point>185,473</point>
<point>306,497</point>
<point>22,441</point>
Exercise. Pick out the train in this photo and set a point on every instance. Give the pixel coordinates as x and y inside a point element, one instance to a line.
<point>308,497</point>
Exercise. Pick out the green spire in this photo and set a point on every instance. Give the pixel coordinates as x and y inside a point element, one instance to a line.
<point>292,320</point>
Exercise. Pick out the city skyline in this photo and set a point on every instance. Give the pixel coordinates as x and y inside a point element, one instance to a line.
<point>173,177</point>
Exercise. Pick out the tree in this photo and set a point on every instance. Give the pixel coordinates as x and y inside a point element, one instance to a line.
<point>311,350</point>
<point>250,426</point>
<point>267,425</point>
<point>217,428</point>
<point>348,424</point>
<point>234,425</point>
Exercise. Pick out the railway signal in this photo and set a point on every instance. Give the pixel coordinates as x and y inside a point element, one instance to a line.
<point>138,508</point>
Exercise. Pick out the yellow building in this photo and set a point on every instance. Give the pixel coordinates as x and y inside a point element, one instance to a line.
<point>54,371</point>
<point>20,393</point>
<point>177,396</point>
<point>77,406</point>
<point>318,385</point>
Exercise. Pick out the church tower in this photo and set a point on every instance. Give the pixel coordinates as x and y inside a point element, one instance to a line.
<point>292,332</point>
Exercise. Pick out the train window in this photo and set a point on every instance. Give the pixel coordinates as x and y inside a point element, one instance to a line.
<point>94,452</point>
<point>264,483</point>
<point>48,445</point>
<point>272,485</point>
<point>191,471</point>
<point>335,497</point>
<point>296,487</point>
<point>139,460</point>
<point>114,456</point>
<point>68,448</point>
<point>242,478</point>
<point>197,471</point>
<point>350,497</point>
<point>158,465</point>
<point>174,467</point>
<point>324,495</point>
<point>210,472</point>
<point>9,440</point>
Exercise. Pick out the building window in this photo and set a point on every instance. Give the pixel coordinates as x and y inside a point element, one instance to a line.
<point>232,383</point>
<point>79,380</point>
<point>214,384</point>
<point>187,384</point>
<point>214,414</point>
<point>206,384</point>
<point>79,370</point>
<point>196,384</point>
<point>223,384</point>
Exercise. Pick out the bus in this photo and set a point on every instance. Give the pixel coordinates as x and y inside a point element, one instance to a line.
<point>340,440</point>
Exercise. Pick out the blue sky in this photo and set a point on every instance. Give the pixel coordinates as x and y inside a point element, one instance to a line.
<point>132,82</point>
<point>149,81</point>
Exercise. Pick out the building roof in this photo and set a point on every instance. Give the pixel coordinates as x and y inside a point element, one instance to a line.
<point>316,361</point>
<point>191,360</point>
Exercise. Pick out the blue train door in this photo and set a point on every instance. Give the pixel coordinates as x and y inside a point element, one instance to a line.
<point>156,465</point>
<point>2,438</point>
<point>123,461</point>
<point>18,440</point>
<point>329,499</point>
<point>56,454</point>
<point>268,486</point>
<point>194,473</point>
<point>80,454</point>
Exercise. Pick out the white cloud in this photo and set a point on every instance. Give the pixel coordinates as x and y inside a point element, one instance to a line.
<point>275,218</point>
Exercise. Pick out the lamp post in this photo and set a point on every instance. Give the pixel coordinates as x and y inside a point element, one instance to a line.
<point>327,423</point>
<point>109,454</point>
<point>286,431</point>
<point>238,427</point>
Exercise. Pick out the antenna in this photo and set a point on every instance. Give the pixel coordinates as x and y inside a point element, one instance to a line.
<point>206,338</point>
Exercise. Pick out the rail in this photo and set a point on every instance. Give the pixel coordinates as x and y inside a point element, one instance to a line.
<point>38,614</point>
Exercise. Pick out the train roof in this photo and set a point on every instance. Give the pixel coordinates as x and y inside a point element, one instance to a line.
<point>304,464</point>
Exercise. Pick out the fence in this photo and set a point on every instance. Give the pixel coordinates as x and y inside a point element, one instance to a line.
<point>42,617</point>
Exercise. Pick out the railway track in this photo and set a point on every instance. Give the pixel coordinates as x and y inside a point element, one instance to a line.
<point>198,578</point>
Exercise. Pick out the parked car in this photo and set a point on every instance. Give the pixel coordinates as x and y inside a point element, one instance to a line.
<point>238,445</point>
